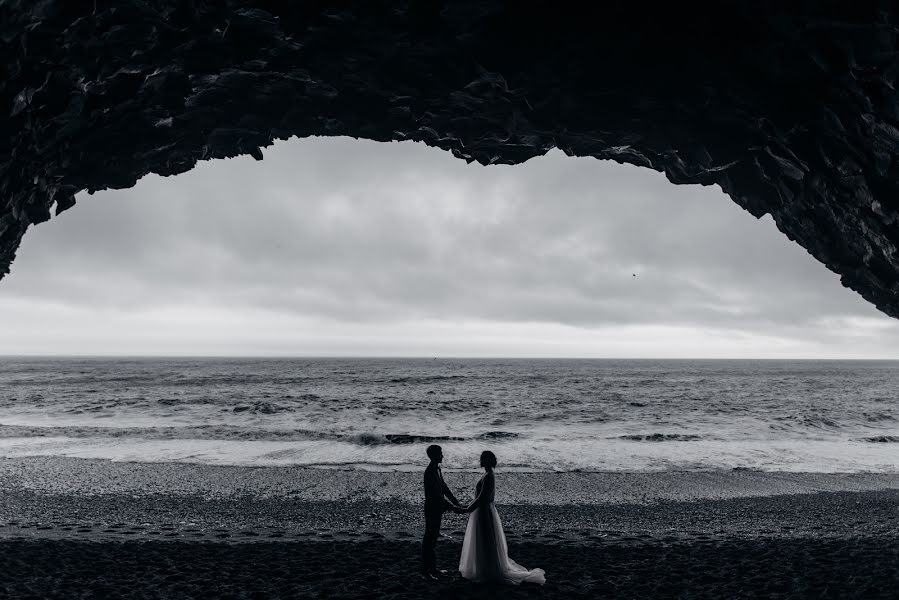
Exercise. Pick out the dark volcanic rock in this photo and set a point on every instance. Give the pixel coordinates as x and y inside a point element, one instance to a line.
<point>790,107</point>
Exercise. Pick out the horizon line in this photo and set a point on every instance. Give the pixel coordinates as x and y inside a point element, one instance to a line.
<point>435,357</point>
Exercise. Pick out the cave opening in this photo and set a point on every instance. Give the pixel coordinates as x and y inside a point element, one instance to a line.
<point>340,246</point>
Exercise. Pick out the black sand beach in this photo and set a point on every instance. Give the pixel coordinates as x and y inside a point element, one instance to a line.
<point>88,529</point>
<point>811,568</point>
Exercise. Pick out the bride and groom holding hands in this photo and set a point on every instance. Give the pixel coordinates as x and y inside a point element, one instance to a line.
<point>485,555</point>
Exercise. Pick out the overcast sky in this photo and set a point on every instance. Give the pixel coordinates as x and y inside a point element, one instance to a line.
<point>347,247</point>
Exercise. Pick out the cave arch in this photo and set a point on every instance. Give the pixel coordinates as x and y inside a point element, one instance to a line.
<point>790,107</point>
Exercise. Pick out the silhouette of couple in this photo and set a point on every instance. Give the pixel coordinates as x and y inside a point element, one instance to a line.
<point>485,555</point>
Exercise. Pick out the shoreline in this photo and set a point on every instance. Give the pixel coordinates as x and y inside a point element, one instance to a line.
<point>101,500</point>
<point>90,477</point>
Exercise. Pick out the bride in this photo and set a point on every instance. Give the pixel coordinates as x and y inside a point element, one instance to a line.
<point>485,555</point>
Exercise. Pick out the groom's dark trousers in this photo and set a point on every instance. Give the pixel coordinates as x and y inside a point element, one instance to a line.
<point>433,517</point>
<point>436,503</point>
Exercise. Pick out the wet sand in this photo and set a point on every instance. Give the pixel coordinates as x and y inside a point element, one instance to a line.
<point>90,477</point>
<point>74,528</point>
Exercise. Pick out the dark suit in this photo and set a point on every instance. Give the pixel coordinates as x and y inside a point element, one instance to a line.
<point>436,503</point>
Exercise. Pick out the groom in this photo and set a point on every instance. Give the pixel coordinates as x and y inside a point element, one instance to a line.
<point>438,498</point>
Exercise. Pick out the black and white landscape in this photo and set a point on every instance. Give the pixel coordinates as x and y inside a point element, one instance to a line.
<point>221,377</point>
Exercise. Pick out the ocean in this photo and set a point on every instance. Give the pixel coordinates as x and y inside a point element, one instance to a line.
<point>380,414</point>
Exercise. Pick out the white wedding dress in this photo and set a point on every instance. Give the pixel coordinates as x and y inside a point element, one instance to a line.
<point>485,555</point>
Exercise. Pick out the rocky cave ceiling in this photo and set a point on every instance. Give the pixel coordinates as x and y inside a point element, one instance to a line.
<point>790,107</point>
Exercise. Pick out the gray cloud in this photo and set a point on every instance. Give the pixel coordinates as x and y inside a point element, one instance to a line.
<point>347,231</point>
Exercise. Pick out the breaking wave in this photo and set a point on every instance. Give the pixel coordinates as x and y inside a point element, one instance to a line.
<point>661,437</point>
<point>229,432</point>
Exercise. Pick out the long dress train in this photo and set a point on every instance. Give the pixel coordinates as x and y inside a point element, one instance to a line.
<point>485,554</point>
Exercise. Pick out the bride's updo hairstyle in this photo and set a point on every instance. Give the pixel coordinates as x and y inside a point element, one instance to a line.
<point>488,459</point>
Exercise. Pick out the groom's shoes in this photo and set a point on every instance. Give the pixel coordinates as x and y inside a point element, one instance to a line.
<point>430,575</point>
<point>441,572</point>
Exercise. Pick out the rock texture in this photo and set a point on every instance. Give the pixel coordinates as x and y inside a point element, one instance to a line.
<point>790,107</point>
